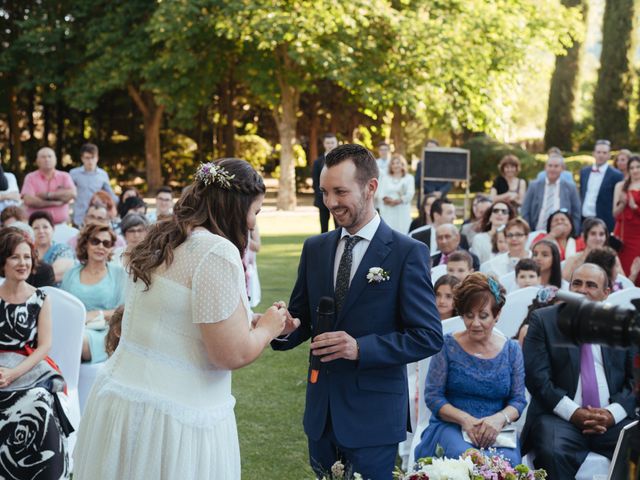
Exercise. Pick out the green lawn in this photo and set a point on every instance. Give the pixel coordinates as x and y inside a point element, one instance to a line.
<point>270,392</point>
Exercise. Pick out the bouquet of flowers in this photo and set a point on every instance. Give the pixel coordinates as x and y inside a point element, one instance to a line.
<point>472,465</point>
<point>338,472</point>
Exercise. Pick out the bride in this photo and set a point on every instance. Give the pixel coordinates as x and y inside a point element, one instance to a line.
<point>162,408</point>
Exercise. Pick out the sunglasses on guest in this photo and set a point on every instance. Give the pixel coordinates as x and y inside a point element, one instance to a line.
<point>96,241</point>
<point>500,211</point>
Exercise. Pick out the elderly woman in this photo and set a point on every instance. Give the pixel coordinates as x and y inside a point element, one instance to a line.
<point>395,194</point>
<point>475,385</point>
<point>98,283</point>
<point>59,255</point>
<point>515,232</point>
<point>32,423</point>
<point>507,187</point>
<point>494,217</point>
<point>134,228</point>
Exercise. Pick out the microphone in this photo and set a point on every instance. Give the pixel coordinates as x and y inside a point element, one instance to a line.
<point>326,314</point>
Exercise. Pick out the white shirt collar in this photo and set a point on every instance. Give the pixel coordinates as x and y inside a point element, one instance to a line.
<point>602,168</point>
<point>367,232</point>
<point>547,182</point>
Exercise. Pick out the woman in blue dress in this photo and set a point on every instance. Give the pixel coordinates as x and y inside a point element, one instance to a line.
<point>475,385</point>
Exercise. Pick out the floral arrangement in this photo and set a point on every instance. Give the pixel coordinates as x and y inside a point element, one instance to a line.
<point>472,465</point>
<point>338,472</point>
<point>377,275</point>
<point>210,173</point>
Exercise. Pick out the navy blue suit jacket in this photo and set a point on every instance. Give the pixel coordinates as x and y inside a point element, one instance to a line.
<point>604,202</point>
<point>395,322</point>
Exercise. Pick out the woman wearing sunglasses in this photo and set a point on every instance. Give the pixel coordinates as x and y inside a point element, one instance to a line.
<point>98,284</point>
<point>496,216</point>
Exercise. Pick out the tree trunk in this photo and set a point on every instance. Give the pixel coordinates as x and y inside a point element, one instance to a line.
<point>613,90</point>
<point>60,112</point>
<point>227,95</point>
<point>397,131</point>
<point>314,126</point>
<point>30,117</point>
<point>152,119</point>
<point>14,135</point>
<point>562,92</point>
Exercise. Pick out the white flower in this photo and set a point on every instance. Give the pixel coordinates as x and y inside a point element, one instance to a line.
<point>377,275</point>
<point>448,469</point>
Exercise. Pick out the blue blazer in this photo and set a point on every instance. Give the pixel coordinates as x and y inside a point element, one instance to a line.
<point>395,322</point>
<point>604,202</point>
<point>534,199</point>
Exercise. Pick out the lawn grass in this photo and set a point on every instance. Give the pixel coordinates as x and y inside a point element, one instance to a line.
<point>270,393</point>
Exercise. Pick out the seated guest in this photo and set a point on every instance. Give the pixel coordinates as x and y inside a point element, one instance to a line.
<point>495,217</point>
<point>164,204</point>
<point>607,259</point>
<point>13,214</point>
<point>475,385</point>
<point>127,192</point>
<point>48,189</point>
<point>133,204</point>
<point>103,198</point>
<point>448,241</point>
<point>134,228</point>
<point>499,243</point>
<point>545,297</point>
<point>444,296</point>
<point>595,235</point>
<point>560,230</point>
<point>472,226</point>
<point>549,195</point>
<point>9,191</point>
<point>581,397</point>
<point>546,254</point>
<point>508,187</point>
<point>424,216</point>
<point>98,283</point>
<point>516,232</point>
<point>33,422</point>
<point>96,214</point>
<point>527,273</point>
<point>42,274</point>
<point>115,329</point>
<point>59,255</point>
<point>442,211</point>
<point>460,264</point>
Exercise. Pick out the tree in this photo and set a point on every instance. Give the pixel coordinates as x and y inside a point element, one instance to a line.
<point>559,125</point>
<point>613,90</point>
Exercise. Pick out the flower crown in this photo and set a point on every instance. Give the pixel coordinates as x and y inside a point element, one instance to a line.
<point>212,174</point>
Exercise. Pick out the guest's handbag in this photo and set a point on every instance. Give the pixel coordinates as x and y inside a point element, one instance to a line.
<point>507,438</point>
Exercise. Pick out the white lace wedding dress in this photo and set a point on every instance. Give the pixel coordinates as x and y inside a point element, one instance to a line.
<point>159,409</point>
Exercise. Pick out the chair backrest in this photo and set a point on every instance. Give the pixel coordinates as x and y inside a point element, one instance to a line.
<point>437,272</point>
<point>531,236</point>
<point>625,282</point>
<point>515,310</point>
<point>62,233</point>
<point>68,317</point>
<point>508,281</point>
<point>623,297</point>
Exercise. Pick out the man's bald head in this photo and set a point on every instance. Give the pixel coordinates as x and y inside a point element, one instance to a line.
<point>591,281</point>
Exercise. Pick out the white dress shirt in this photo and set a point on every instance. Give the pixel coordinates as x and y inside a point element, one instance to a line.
<point>542,218</point>
<point>566,406</point>
<point>593,188</point>
<point>359,249</point>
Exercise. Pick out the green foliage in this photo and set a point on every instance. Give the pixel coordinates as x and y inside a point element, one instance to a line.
<point>254,149</point>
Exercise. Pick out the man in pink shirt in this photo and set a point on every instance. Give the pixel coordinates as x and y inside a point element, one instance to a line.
<point>48,189</point>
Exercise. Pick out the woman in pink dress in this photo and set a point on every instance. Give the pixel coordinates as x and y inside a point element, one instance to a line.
<point>626,201</point>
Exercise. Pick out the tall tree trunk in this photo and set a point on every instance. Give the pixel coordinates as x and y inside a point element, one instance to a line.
<point>397,131</point>
<point>562,92</point>
<point>152,119</point>
<point>60,113</point>
<point>227,96</point>
<point>15,142</point>
<point>31,109</point>
<point>201,119</point>
<point>46,113</point>
<point>611,98</point>
<point>314,126</point>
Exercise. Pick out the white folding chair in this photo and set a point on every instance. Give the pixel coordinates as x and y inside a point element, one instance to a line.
<point>508,281</point>
<point>88,374</point>
<point>68,317</point>
<point>594,465</point>
<point>515,310</point>
<point>437,272</point>
<point>531,236</point>
<point>63,232</point>
<point>623,297</point>
<point>625,282</point>
<point>416,388</point>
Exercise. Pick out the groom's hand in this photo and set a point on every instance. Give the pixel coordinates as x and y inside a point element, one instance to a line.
<point>335,345</point>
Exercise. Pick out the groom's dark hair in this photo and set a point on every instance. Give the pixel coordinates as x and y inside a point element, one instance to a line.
<point>365,162</point>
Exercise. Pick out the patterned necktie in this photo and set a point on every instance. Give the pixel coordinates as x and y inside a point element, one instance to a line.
<point>344,271</point>
<point>444,258</point>
<point>550,201</point>
<point>590,395</point>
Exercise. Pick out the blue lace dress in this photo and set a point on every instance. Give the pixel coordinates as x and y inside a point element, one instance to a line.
<point>480,387</point>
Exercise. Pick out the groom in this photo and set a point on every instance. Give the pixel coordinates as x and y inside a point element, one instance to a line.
<point>358,410</point>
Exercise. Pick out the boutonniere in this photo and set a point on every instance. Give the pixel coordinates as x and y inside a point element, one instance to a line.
<point>377,275</point>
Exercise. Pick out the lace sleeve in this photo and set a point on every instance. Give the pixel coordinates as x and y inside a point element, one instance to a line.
<point>517,397</point>
<point>436,383</point>
<point>216,287</point>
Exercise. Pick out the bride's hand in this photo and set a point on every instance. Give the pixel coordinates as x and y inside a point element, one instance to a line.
<point>274,320</point>
<point>291,323</point>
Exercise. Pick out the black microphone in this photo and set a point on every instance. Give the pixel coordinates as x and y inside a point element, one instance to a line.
<point>326,316</point>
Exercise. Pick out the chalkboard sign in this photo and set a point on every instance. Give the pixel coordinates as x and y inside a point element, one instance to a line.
<point>450,164</point>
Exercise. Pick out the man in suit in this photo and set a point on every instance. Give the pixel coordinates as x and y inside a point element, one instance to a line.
<point>550,195</point>
<point>581,397</point>
<point>597,183</point>
<point>358,409</point>
<point>442,211</point>
<point>329,142</point>
<point>448,240</point>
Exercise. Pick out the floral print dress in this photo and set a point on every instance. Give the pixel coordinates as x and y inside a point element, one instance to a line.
<point>33,426</point>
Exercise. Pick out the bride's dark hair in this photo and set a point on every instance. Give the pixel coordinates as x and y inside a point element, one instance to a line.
<point>220,207</point>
